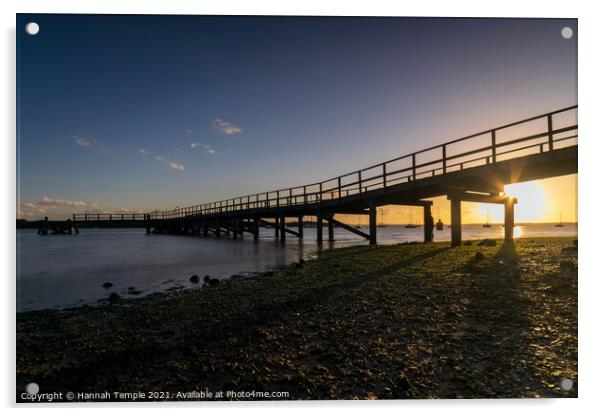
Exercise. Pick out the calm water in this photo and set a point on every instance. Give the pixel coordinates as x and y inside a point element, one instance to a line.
<point>61,271</point>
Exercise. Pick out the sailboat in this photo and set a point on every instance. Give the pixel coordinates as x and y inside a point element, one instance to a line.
<point>488,223</point>
<point>439,224</point>
<point>382,218</point>
<point>410,224</point>
<point>560,224</point>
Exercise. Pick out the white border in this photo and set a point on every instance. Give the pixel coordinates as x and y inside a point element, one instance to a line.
<point>589,201</point>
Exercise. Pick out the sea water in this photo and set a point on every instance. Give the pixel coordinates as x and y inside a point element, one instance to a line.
<point>57,271</point>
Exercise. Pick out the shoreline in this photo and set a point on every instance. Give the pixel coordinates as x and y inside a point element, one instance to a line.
<point>339,326</point>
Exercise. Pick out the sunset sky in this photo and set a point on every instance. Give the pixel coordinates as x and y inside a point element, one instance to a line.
<point>136,113</point>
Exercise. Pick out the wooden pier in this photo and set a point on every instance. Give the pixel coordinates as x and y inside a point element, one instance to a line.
<point>474,168</point>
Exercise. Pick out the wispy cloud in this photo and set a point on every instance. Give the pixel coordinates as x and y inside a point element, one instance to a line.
<point>83,141</point>
<point>188,131</point>
<point>175,166</point>
<point>225,127</point>
<point>166,162</point>
<point>52,202</point>
<point>207,147</point>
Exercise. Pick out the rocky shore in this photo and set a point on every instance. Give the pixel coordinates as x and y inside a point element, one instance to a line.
<point>364,322</point>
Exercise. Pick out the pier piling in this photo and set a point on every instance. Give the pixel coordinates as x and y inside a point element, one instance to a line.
<point>300,226</point>
<point>509,218</point>
<point>282,224</point>
<point>330,229</point>
<point>372,221</point>
<point>319,227</point>
<point>429,224</point>
<point>456,221</point>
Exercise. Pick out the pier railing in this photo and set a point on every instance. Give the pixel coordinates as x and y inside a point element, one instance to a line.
<point>83,217</point>
<point>539,134</point>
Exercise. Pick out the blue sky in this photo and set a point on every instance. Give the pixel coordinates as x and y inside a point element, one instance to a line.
<point>145,112</point>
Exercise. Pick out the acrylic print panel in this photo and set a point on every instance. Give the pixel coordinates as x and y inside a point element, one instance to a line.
<point>295,208</point>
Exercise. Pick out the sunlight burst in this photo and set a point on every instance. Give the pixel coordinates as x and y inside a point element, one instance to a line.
<point>532,201</point>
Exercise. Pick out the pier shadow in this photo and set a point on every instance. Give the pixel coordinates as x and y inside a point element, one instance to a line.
<point>311,296</point>
<point>491,357</point>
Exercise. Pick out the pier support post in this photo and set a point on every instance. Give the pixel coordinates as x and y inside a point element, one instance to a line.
<point>330,229</point>
<point>282,229</point>
<point>429,224</point>
<point>456,221</point>
<point>372,221</point>
<point>218,228</point>
<point>300,226</point>
<point>147,223</point>
<point>276,227</point>
<point>255,229</point>
<point>235,228</point>
<point>509,219</point>
<point>319,226</point>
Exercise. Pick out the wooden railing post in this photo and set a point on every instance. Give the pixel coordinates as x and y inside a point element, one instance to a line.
<point>550,134</point>
<point>384,175</point>
<point>444,158</point>
<point>359,180</point>
<point>413,166</point>
<point>493,146</point>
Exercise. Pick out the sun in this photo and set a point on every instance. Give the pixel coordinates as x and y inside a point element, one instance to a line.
<point>532,201</point>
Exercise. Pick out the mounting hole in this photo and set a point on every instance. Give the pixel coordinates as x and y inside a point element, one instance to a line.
<point>566,384</point>
<point>566,32</point>
<point>32,28</point>
<point>32,388</point>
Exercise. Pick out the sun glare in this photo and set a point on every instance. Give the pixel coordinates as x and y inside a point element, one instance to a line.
<point>532,201</point>
<point>518,231</point>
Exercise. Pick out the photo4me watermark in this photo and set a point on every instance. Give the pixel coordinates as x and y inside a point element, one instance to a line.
<point>31,394</point>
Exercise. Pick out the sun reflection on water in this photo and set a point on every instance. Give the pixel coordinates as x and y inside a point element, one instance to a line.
<point>518,231</point>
